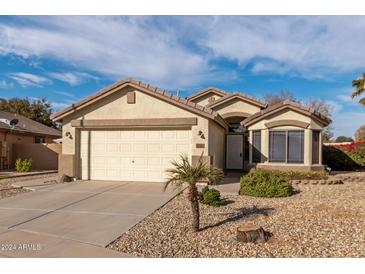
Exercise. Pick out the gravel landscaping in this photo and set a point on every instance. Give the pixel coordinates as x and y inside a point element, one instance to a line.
<point>318,221</point>
<point>7,190</point>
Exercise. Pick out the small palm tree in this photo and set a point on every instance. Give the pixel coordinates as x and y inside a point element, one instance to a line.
<point>359,84</point>
<point>183,172</point>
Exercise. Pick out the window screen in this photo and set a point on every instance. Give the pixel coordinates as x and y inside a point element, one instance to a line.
<point>277,146</point>
<point>295,146</point>
<point>256,146</point>
<point>315,147</point>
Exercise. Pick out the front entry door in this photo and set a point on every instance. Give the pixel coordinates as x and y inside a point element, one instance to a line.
<point>234,151</point>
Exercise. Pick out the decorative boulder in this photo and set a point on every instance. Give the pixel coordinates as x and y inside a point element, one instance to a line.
<point>65,179</point>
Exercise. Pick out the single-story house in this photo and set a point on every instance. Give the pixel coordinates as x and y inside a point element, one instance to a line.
<point>24,132</point>
<point>132,131</point>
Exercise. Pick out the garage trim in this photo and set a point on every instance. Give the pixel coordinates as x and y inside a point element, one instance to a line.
<point>107,123</point>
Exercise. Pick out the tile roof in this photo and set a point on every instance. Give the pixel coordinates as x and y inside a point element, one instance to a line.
<point>26,125</point>
<point>239,95</point>
<point>286,104</point>
<point>154,91</point>
<point>206,91</point>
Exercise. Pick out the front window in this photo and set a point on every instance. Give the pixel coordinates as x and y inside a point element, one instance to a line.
<point>286,146</point>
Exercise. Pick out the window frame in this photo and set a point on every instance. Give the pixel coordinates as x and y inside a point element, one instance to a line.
<point>286,146</point>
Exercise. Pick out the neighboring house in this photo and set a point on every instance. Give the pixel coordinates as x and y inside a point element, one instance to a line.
<point>25,132</point>
<point>132,131</point>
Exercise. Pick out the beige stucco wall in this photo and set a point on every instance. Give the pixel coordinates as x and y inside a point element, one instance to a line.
<point>146,106</point>
<point>217,144</point>
<point>12,139</point>
<point>204,100</point>
<point>44,156</point>
<point>286,115</point>
<point>236,105</point>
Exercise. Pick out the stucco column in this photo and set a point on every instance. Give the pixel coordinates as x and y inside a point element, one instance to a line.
<point>307,146</point>
<point>265,145</point>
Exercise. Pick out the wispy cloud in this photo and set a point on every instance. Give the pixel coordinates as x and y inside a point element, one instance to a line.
<point>72,78</point>
<point>64,93</point>
<point>29,79</point>
<point>57,105</point>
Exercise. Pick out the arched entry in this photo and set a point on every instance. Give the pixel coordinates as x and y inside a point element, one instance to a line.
<point>237,152</point>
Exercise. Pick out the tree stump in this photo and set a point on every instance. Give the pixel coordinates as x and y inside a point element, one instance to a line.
<point>250,233</point>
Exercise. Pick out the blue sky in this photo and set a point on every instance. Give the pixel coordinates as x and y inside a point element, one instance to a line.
<point>67,58</point>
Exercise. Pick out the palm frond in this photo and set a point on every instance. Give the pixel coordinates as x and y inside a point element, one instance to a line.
<point>362,101</point>
<point>183,172</point>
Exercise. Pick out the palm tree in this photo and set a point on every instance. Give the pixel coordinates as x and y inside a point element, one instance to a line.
<point>360,88</point>
<point>183,172</point>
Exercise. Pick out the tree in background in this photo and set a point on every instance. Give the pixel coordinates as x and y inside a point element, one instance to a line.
<point>272,98</point>
<point>325,109</point>
<point>38,110</point>
<point>360,134</point>
<point>359,84</point>
<point>341,139</point>
<point>319,105</point>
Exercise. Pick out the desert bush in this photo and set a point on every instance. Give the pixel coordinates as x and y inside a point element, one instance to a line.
<point>210,196</point>
<point>23,165</point>
<point>265,183</point>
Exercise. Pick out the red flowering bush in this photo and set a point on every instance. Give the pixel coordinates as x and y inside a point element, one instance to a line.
<point>345,157</point>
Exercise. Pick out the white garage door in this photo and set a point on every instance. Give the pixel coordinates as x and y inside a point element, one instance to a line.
<point>131,155</point>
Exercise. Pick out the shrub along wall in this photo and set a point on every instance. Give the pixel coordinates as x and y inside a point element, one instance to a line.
<point>345,157</point>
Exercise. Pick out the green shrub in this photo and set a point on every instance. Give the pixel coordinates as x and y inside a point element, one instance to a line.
<point>304,175</point>
<point>265,183</point>
<point>210,196</point>
<point>23,165</point>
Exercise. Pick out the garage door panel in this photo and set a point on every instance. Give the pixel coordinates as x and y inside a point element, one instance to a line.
<point>169,148</point>
<point>125,148</point>
<point>112,135</point>
<point>113,147</point>
<point>168,135</point>
<point>139,148</point>
<point>133,155</point>
<point>154,161</point>
<point>113,161</point>
<point>153,148</point>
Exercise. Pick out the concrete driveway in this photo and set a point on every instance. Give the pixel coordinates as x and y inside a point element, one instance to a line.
<point>90,212</point>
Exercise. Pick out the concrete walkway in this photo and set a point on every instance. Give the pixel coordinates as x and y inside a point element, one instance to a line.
<point>230,184</point>
<point>76,219</point>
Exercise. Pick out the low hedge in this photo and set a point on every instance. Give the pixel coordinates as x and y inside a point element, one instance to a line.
<point>265,183</point>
